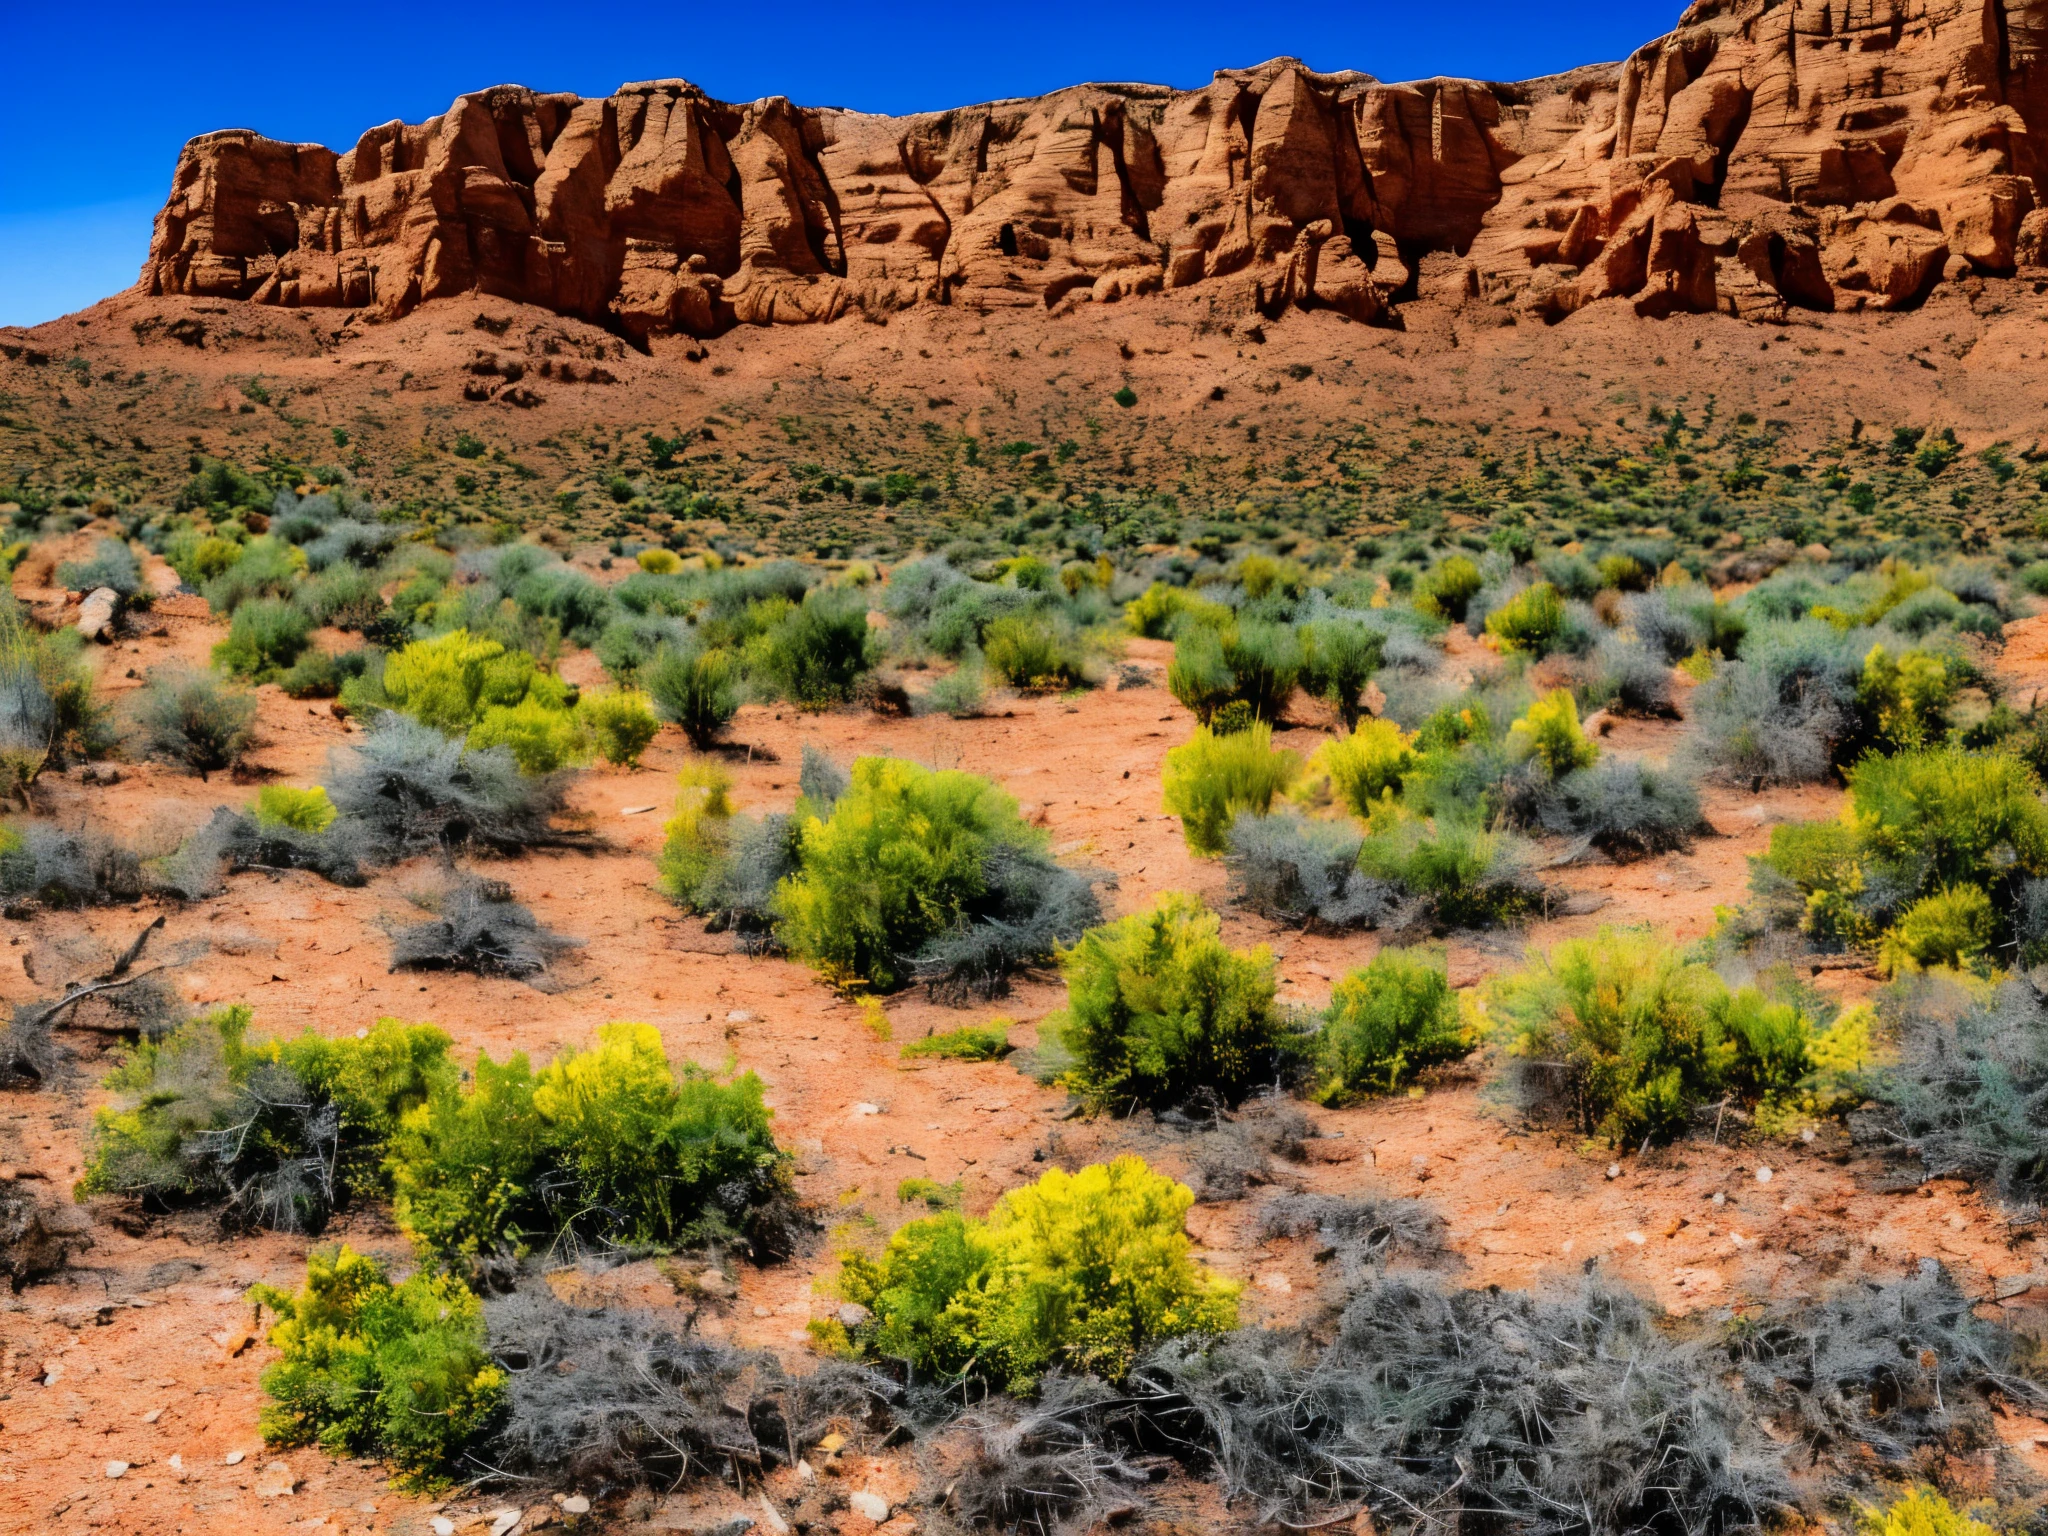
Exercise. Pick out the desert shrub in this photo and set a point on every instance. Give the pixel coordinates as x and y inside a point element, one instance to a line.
<point>1210,779</point>
<point>230,842</point>
<point>724,866</point>
<point>440,682</point>
<point>368,1368</point>
<point>1448,588</point>
<point>266,567</point>
<point>1625,809</point>
<point>697,689</point>
<point>344,596</point>
<point>111,564</point>
<point>479,928</point>
<point>1253,664</point>
<point>264,639</point>
<point>609,1397</point>
<point>1785,710</point>
<point>1033,650</point>
<point>1906,700</point>
<point>1966,1093</point>
<point>47,710</point>
<point>661,562</point>
<point>192,719</point>
<point>1078,1270</point>
<point>611,1147</point>
<point>1550,733</point>
<point>902,858</point>
<point>620,724</point>
<point>1029,907</point>
<point>1294,870</point>
<point>43,862</point>
<point>1948,816</point>
<point>542,738</point>
<point>818,650</point>
<point>1386,1022</point>
<point>1367,767</point>
<point>319,674</point>
<point>303,810</point>
<point>1198,676</point>
<point>1160,1011</point>
<point>1158,612</point>
<point>1533,620</point>
<point>1617,1033</point>
<point>970,1042</point>
<point>572,600</point>
<point>274,1133</point>
<point>1950,926</point>
<point>631,640</point>
<point>1338,660</point>
<point>414,791</point>
<point>1921,1512</point>
<point>1467,875</point>
<point>960,693</point>
<point>1628,679</point>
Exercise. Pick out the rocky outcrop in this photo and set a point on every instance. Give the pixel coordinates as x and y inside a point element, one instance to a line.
<point>1825,154</point>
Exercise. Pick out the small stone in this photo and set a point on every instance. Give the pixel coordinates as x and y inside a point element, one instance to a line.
<point>776,1523</point>
<point>277,1482</point>
<point>503,1520</point>
<point>1637,1238</point>
<point>1719,1198</point>
<point>739,1016</point>
<point>870,1505</point>
<point>867,1109</point>
<point>853,1314</point>
<point>805,1472</point>
<point>442,1526</point>
<point>1763,1175</point>
<point>1614,1170</point>
<point>96,613</point>
<point>234,1458</point>
<point>117,1469</point>
<point>176,1463</point>
<point>152,1416</point>
<point>576,1504</point>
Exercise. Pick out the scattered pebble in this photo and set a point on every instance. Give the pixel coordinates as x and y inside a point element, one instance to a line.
<point>152,1416</point>
<point>1614,1170</point>
<point>576,1504</point>
<point>1763,1175</point>
<point>1719,1198</point>
<point>739,1016</point>
<point>1637,1238</point>
<point>503,1520</point>
<point>117,1469</point>
<point>176,1463</point>
<point>443,1526</point>
<point>234,1458</point>
<point>867,1109</point>
<point>277,1482</point>
<point>871,1505</point>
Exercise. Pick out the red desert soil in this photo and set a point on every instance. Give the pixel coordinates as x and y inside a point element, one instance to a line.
<point>142,1353</point>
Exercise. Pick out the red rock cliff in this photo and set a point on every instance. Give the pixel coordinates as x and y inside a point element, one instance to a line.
<point>1820,153</point>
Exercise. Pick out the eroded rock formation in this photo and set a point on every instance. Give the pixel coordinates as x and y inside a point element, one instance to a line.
<point>1824,154</point>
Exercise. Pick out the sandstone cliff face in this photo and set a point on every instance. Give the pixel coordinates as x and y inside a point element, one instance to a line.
<point>1827,154</point>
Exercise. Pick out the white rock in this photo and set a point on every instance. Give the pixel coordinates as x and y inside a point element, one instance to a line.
<point>576,1504</point>
<point>442,1525</point>
<point>774,1518</point>
<point>277,1482</point>
<point>867,1109</point>
<point>117,1469</point>
<point>234,1458</point>
<point>871,1505</point>
<point>803,1470</point>
<point>739,1016</point>
<point>176,1463</point>
<point>1763,1175</point>
<point>96,613</point>
<point>1637,1238</point>
<point>503,1521</point>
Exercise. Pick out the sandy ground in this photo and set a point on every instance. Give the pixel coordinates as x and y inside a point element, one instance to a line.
<point>142,1353</point>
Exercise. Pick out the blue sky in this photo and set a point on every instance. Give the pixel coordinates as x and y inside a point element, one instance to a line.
<point>101,97</point>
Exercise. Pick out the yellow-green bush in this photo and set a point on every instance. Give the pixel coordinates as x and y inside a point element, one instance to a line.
<point>1209,779</point>
<point>1448,588</point>
<point>368,1368</point>
<point>1923,1512</point>
<point>1081,1271</point>
<point>620,723</point>
<point>1154,613</point>
<point>542,738</point>
<point>661,562</point>
<point>1906,699</point>
<point>970,1042</point>
<point>1160,1009</point>
<point>1550,731</point>
<point>694,839</point>
<point>1532,620</point>
<point>303,810</point>
<point>1366,768</point>
<point>1949,927</point>
<point>1385,1023</point>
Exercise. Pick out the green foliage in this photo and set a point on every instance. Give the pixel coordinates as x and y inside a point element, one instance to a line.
<point>1533,620</point>
<point>897,862</point>
<point>372,1369</point>
<point>1210,779</point>
<point>1033,650</point>
<point>345,596</point>
<point>440,682</point>
<point>1950,816</point>
<point>621,723</point>
<point>303,810</point>
<point>1125,396</point>
<point>1338,659</point>
<point>279,1131</point>
<point>112,565</point>
<point>1906,700</point>
<point>1471,877</point>
<point>1922,1512</point>
<point>1550,733</point>
<point>1628,1026</point>
<point>47,710</point>
<point>191,719</point>
<point>266,637</point>
<point>697,689</point>
<point>1252,663</point>
<point>542,738</point>
<point>817,651</point>
<point>1951,926</point>
<point>1386,1022</point>
<point>1161,610</point>
<point>610,1145</point>
<point>1159,1009</point>
<point>1082,1271</point>
<point>264,567</point>
<point>694,839</point>
<point>1448,588</point>
<point>970,1042</point>
<point>1367,767</point>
